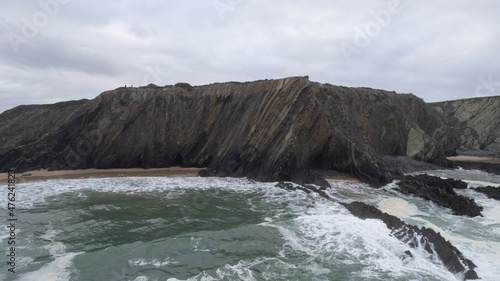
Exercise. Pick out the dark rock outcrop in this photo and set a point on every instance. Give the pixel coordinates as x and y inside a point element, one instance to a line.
<point>451,257</point>
<point>440,191</point>
<point>270,130</point>
<point>490,191</point>
<point>447,184</point>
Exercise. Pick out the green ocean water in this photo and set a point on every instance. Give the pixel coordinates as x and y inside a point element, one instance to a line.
<point>191,228</point>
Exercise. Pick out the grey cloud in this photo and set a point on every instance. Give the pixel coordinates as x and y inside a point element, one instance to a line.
<point>436,50</point>
<point>50,53</point>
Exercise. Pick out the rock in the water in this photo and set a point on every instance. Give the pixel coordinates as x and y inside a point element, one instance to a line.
<point>440,191</point>
<point>448,184</point>
<point>490,191</point>
<point>451,257</point>
<point>408,255</point>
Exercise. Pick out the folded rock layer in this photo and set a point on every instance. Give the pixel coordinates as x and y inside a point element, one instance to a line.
<point>267,130</point>
<point>473,123</point>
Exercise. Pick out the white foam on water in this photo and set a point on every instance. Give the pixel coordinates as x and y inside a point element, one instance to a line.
<point>323,230</point>
<point>492,215</point>
<point>240,270</point>
<point>480,252</point>
<point>475,177</point>
<point>153,262</point>
<point>60,268</point>
<point>485,253</point>
<point>33,193</point>
<point>459,239</point>
<point>347,190</point>
<point>403,209</point>
<point>330,234</point>
<point>481,183</point>
<point>195,241</point>
<point>25,260</point>
<point>203,276</point>
<point>399,207</point>
<point>486,261</point>
<point>292,239</point>
<point>4,236</point>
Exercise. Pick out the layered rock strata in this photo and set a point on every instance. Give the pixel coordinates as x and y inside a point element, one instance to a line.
<point>474,123</point>
<point>266,130</point>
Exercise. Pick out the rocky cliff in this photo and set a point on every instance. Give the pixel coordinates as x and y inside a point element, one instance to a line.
<point>474,123</point>
<point>267,130</point>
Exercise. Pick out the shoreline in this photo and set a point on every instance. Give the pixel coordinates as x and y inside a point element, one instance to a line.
<point>44,174</point>
<point>475,159</point>
<point>41,175</point>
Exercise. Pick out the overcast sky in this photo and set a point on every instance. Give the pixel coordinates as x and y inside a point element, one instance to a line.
<point>58,50</point>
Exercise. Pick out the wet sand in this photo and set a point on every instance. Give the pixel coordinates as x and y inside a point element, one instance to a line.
<point>40,175</point>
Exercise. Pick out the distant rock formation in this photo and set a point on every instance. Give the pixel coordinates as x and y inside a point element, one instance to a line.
<point>440,191</point>
<point>268,130</point>
<point>413,236</point>
<point>474,123</point>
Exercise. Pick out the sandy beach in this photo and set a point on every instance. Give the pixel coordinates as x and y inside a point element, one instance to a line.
<point>39,175</point>
<point>474,159</point>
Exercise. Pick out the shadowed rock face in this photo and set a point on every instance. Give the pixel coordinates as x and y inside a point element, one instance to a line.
<point>473,123</point>
<point>451,257</point>
<point>267,130</point>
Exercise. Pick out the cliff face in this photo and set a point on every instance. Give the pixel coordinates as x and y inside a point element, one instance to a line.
<point>474,123</point>
<point>268,130</point>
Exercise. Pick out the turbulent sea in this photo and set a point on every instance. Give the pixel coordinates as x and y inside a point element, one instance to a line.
<point>192,228</point>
